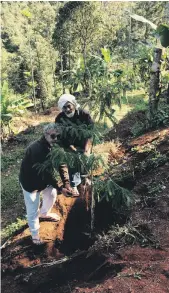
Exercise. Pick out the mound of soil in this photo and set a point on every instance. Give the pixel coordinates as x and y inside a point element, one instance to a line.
<point>61,238</point>
<point>64,235</point>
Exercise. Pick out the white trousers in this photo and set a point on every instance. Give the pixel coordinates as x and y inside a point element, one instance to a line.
<point>32,202</point>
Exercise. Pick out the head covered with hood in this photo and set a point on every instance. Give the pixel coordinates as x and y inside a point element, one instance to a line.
<point>67,98</point>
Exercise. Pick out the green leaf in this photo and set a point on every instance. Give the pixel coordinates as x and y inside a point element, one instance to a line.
<point>6,117</point>
<point>106,54</point>
<point>143,19</point>
<point>163,32</point>
<point>26,13</point>
<point>81,62</point>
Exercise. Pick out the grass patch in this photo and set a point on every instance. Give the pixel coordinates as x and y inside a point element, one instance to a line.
<point>11,158</point>
<point>12,228</point>
<point>136,100</point>
<point>10,190</point>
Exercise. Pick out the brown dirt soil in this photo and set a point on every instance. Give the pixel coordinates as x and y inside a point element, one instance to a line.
<point>150,137</point>
<point>132,268</point>
<point>33,119</point>
<point>142,270</point>
<point>21,253</point>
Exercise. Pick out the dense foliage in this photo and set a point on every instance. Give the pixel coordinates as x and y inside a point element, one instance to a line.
<point>94,50</point>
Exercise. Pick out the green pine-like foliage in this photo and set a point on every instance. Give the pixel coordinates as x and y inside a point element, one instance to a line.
<point>103,187</point>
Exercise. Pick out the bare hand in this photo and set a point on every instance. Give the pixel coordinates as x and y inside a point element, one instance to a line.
<point>72,147</point>
<point>69,192</point>
<point>66,192</point>
<point>87,153</point>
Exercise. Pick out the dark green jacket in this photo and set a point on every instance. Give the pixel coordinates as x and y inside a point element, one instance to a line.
<point>30,177</point>
<point>81,118</point>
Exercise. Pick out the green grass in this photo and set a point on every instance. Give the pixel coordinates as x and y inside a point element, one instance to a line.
<point>9,230</point>
<point>12,202</point>
<point>10,165</point>
<point>11,158</point>
<point>136,100</point>
<point>10,190</point>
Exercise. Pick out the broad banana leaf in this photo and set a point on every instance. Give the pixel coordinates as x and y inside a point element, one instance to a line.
<point>163,32</point>
<point>143,19</point>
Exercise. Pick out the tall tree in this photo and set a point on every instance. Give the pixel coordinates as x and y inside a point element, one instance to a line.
<point>31,38</point>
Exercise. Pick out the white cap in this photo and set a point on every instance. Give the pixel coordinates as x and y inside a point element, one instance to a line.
<point>67,98</point>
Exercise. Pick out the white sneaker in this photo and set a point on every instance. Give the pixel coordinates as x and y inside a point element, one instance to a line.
<point>51,216</point>
<point>36,240</point>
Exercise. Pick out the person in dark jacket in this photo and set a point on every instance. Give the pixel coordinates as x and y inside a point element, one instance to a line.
<point>34,182</point>
<point>73,116</point>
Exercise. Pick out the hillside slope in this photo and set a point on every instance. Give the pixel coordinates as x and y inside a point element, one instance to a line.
<point>131,257</point>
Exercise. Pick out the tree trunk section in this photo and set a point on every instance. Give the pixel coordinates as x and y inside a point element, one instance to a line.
<point>168,95</point>
<point>61,62</point>
<point>32,71</point>
<point>154,90</point>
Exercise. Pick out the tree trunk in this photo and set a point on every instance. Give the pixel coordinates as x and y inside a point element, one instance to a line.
<point>61,62</point>
<point>124,93</point>
<point>154,90</point>
<point>53,69</point>
<point>85,79</point>
<point>42,104</point>
<point>32,71</point>
<point>168,95</point>
<point>40,82</point>
<point>92,206</point>
<point>69,57</point>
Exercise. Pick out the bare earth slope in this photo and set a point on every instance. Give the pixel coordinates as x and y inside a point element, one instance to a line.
<point>64,263</point>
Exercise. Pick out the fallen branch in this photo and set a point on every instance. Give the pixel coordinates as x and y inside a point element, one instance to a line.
<point>60,261</point>
<point>96,270</point>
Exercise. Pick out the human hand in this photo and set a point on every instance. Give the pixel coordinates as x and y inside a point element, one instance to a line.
<point>72,147</point>
<point>66,192</point>
<point>87,153</point>
<point>70,191</point>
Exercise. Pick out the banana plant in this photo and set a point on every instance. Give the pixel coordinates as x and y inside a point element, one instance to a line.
<point>161,31</point>
<point>11,107</point>
<point>6,115</point>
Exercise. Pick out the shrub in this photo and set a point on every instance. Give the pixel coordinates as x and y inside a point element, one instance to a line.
<point>138,129</point>
<point>161,118</point>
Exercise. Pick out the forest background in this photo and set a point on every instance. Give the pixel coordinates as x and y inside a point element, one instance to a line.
<point>94,50</point>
